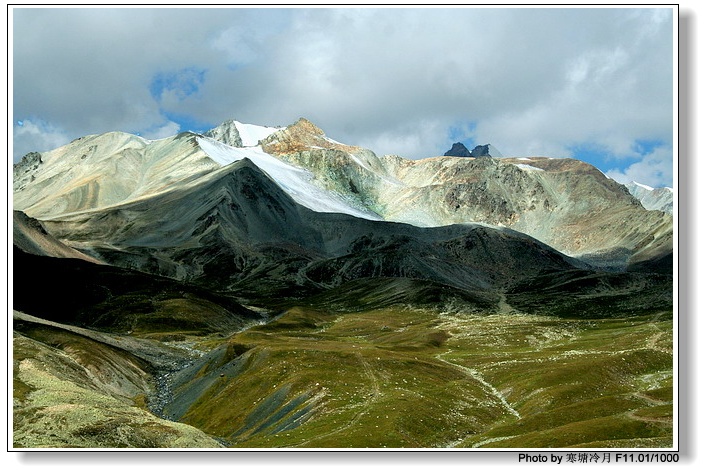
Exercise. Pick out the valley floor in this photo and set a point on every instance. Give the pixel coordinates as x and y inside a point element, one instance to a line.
<point>393,377</point>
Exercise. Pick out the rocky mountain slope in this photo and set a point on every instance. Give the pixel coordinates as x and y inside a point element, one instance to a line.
<point>30,236</point>
<point>240,231</point>
<point>564,203</point>
<point>661,199</point>
<point>77,388</point>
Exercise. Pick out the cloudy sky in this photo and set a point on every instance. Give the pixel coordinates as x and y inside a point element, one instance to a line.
<point>589,83</point>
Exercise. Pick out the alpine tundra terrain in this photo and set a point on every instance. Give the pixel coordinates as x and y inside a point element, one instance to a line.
<point>272,287</point>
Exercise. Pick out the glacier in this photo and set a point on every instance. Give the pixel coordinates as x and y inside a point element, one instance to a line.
<point>293,180</point>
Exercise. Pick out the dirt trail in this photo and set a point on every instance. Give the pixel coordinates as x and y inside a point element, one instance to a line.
<point>652,341</point>
<point>505,308</point>
<point>477,376</point>
<point>370,373</point>
<point>650,419</point>
<point>650,400</point>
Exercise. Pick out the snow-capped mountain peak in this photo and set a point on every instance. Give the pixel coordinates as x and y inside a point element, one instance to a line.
<point>238,134</point>
<point>295,181</point>
<point>251,134</point>
<point>652,198</point>
<point>528,195</point>
<point>644,186</point>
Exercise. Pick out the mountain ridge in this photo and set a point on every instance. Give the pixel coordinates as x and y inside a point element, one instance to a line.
<point>565,203</point>
<point>652,198</point>
<point>245,217</point>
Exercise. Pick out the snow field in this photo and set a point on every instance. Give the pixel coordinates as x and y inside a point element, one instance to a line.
<point>297,182</point>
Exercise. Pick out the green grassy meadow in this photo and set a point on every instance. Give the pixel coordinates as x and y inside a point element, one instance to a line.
<point>400,377</point>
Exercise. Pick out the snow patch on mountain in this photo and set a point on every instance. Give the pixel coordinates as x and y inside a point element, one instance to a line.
<point>295,181</point>
<point>524,166</point>
<point>251,134</point>
<point>333,141</point>
<point>643,186</point>
<point>661,199</point>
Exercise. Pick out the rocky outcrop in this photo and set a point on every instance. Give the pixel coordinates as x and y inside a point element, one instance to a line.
<point>486,150</point>
<point>480,151</point>
<point>22,172</point>
<point>226,133</point>
<point>457,150</point>
<point>303,136</point>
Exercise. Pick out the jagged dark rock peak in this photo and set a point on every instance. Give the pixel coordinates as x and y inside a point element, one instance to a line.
<point>458,150</point>
<point>481,151</point>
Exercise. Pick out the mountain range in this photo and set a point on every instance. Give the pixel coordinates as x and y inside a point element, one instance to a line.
<point>203,235</point>
<point>567,204</point>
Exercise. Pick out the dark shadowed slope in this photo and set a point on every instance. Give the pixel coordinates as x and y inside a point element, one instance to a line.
<point>115,299</point>
<point>240,231</point>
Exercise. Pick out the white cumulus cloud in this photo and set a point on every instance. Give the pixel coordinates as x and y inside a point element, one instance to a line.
<point>36,136</point>
<point>654,169</point>
<point>527,80</point>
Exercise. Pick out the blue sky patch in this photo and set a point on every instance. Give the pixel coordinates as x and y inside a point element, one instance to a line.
<point>602,157</point>
<point>646,146</point>
<point>461,133</point>
<point>189,123</point>
<point>597,155</point>
<point>183,83</point>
